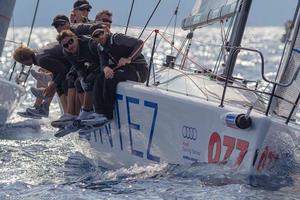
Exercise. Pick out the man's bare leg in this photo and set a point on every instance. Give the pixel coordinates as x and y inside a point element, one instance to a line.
<point>63,101</point>
<point>71,101</point>
<point>39,101</point>
<point>77,103</point>
<point>88,100</point>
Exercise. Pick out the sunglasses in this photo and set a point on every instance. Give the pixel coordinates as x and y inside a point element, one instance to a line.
<point>98,34</point>
<point>106,20</point>
<point>58,25</point>
<point>69,42</point>
<point>82,9</point>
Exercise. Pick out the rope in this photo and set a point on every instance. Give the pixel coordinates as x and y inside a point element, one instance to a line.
<point>191,60</point>
<point>138,49</point>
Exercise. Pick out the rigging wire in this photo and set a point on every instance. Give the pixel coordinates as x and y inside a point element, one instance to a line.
<point>201,43</point>
<point>188,77</point>
<point>175,24</point>
<point>149,19</point>
<point>13,28</point>
<point>217,65</point>
<point>129,17</point>
<point>219,58</point>
<point>11,41</point>
<point>33,21</point>
<point>169,23</point>
<point>26,74</point>
<point>224,40</point>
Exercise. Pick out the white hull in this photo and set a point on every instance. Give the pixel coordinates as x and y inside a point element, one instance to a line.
<point>10,97</point>
<point>153,125</point>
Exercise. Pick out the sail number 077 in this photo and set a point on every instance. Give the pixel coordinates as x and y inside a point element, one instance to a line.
<point>216,144</point>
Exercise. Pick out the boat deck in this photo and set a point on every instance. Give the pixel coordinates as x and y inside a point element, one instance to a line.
<point>199,85</point>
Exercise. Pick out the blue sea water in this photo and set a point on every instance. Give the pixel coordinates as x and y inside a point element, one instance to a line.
<point>34,165</point>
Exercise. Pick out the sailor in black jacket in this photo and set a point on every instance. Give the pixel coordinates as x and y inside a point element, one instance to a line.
<point>75,91</point>
<point>82,53</point>
<point>121,60</point>
<point>50,58</point>
<point>62,22</point>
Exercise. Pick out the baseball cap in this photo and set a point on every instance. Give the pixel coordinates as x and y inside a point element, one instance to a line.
<point>81,4</point>
<point>60,19</point>
<point>98,31</point>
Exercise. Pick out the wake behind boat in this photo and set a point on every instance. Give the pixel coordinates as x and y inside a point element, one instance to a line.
<point>182,116</point>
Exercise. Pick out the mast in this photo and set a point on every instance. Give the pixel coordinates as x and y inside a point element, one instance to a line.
<point>237,35</point>
<point>6,11</point>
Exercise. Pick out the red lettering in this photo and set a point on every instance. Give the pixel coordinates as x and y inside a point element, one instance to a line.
<point>266,158</point>
<point>230,143</point>
<point>241,145</point>
<point>215,148</point>
<point>215,141</point>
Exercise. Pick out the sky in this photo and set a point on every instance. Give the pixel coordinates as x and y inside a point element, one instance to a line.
<point>263,13</point>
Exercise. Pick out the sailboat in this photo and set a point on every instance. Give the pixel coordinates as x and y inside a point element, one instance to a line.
<point>11,93</point>
<point>184,117</point>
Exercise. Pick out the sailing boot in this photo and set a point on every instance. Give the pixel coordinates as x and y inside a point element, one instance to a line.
<point>27,114</point>
<point>64,120</point>
<point>42,111</point>
<point>66,130</point>
<point>93,122</point>
<point>84,114</point>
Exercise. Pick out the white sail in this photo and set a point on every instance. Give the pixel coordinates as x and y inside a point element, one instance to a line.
<point>6,10</point>
<point>196,7</point>
<point>286,74</point>
<point>209,11</point>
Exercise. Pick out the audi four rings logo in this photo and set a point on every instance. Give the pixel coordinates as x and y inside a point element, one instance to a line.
<point>189,133</point>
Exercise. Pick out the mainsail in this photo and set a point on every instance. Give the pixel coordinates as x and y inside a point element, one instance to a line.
<point>286,73</point>
<point>209,11</point>
<point>6,10</point>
